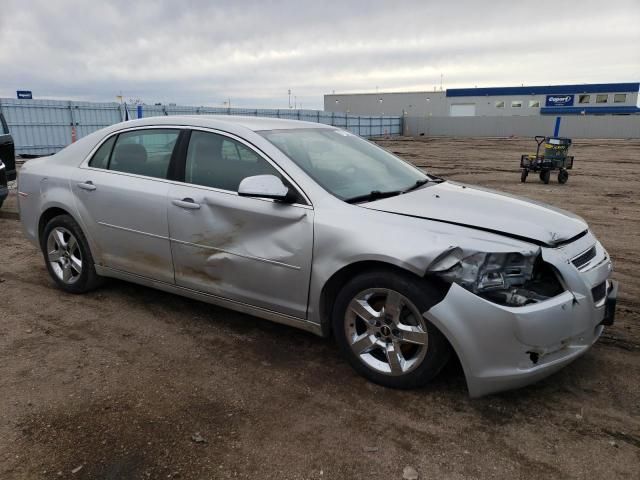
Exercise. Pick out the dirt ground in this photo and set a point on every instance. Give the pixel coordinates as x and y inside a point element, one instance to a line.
<point>128,382</point>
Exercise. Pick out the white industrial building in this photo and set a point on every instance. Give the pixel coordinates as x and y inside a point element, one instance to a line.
<point>585,99</point>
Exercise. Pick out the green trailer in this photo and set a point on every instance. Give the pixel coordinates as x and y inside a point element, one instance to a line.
<point>554,158</point>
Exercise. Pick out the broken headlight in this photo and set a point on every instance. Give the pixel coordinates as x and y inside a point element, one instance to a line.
<point>514,278</point>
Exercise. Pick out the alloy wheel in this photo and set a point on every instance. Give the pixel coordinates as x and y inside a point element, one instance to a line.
<point>64,255</point>
<point>386,331</point>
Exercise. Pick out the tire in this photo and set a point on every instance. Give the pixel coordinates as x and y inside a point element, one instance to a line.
<point>545,175</point>
<point>563,176</point>
<point>523,176</point>
<point>62,239</point>
<point>386,357</point>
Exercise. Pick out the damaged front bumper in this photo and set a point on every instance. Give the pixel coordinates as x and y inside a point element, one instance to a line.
<point>502,347</point>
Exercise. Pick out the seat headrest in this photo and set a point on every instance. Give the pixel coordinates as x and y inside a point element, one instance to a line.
<point>130,156</point>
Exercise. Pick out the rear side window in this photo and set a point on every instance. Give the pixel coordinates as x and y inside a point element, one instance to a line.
<point>4,128</point>
<point>220,162</point>
<point>144,152</point>
<point>101,157</point>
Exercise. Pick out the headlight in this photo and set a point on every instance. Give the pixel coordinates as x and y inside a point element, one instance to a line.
<point>482,272</point>
<point>514,278</point>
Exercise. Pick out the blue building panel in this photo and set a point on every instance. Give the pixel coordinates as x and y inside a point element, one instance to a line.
<point>546,90</point>
<point>588,110</point>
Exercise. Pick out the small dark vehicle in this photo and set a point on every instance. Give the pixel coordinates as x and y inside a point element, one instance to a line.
<point>7,159</point>
<point>554,158</point>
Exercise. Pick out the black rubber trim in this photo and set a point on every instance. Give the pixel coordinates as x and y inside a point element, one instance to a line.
<point>179,157</point>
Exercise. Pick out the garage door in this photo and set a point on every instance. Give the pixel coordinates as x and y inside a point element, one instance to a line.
<point>463,110</point>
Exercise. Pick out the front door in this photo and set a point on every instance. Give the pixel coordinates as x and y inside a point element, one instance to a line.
<point>254,251</point>
<point>122,198</point>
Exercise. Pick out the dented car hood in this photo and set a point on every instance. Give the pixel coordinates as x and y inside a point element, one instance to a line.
<point>486,210</point>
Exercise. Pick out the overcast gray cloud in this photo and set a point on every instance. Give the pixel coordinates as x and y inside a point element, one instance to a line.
<point>203,52</point>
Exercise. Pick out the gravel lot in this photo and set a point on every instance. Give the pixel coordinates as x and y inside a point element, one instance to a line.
<point>128,382</point>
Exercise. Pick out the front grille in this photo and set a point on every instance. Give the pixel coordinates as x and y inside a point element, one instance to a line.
<point>599,291</point>
<point>584,258</point>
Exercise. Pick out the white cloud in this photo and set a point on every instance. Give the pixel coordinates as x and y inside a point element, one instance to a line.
<point>202,52</point>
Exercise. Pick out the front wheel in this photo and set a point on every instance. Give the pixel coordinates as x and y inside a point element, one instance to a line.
<point>67,255</point>
<point>378,324</point>
<point>523,175</point>
<point>545,175</point>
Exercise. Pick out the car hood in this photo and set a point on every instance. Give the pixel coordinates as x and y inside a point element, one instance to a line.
<point>486,210</point>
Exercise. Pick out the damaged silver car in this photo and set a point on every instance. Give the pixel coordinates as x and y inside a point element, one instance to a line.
<point>311,226</point>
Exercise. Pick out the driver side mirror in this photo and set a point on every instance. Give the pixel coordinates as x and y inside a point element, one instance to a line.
<point>265,186</point>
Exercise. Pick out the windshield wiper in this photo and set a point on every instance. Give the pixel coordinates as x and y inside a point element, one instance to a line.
<point>422,182</point>
<point>417,185</point>
<point>372,195</point>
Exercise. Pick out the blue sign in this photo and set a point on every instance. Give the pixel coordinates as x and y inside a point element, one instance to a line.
<point>24,94</point>
<point>559,100</point>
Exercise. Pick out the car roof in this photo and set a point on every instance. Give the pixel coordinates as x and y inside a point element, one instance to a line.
<point>229,121</point>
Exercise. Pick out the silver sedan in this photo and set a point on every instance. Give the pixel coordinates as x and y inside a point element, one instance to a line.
<point>311,226</point>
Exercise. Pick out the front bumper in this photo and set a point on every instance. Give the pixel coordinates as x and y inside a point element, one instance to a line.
<point>4,193</point>
<point>502,348</point>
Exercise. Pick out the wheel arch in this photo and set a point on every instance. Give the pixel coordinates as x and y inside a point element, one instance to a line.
<point>46,216</point>
<point>343,275</point>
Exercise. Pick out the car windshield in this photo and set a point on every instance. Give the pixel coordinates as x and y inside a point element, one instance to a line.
<point>346,165</point>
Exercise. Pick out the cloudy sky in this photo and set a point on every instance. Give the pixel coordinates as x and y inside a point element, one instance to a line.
<point>200,52</point>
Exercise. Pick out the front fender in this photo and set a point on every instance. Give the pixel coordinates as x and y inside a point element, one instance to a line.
<point>348,234</point>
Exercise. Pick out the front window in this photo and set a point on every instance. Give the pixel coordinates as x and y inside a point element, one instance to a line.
<point>344,164</point>
<point>221,162</point>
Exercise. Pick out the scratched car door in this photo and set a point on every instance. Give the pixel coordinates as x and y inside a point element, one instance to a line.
<point>250,250</point>
<point>121,197</point>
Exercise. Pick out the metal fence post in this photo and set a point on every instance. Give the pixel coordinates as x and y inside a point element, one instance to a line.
<point>74,132</point>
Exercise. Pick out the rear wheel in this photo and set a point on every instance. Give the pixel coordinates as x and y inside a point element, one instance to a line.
<point>563,176</point>
<point>378,324</point>
<point>545,175</point>
<point>67,256</point>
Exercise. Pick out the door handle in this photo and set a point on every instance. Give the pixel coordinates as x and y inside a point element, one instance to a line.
<point>88,185</point>
<point>187,203</point>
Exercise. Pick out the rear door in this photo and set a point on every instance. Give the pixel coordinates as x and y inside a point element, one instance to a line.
<point>122,198</point>
<point>250,250</point>
<point>7,149</point>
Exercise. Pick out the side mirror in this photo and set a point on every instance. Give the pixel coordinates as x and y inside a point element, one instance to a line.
<point>265,186</point>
